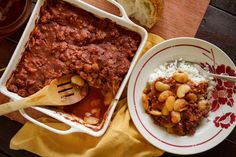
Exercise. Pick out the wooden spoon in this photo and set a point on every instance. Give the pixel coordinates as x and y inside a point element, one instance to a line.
<point>59,92</point>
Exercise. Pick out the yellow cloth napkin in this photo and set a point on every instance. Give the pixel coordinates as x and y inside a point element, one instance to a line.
<point>120,140</point>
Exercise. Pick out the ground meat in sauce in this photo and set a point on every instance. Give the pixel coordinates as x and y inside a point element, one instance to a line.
<point>190,117</point>
<point>67,40</point>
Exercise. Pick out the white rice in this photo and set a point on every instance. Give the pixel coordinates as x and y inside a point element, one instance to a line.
<point>166,70</point>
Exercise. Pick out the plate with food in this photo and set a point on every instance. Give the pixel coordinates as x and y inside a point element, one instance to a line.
<point>175,105</point>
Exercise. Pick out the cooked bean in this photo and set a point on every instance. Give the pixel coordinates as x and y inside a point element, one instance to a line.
<point>76,79</point>
<point>175,117</point>
<point>180,77</point>
<point>164,95</point>
<point>161,86</point>
<point>184,108</point>
<point>170,101</point>
<point>145,102</point>
<point>165,111</point>
<point>96,111</point>
<point>91,120</point>
<point>179,104</point>
<point>155,113</point>
<point>146,90</point>
<point>108,98</point>
<point>202,104</point>
<point>182,90</point>
<point>191,97</point>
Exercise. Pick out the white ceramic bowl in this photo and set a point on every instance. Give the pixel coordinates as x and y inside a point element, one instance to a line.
<point>221,119</point>
<point>123,21</point>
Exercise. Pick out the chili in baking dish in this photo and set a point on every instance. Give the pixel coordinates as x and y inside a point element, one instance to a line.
<point>66,40</point>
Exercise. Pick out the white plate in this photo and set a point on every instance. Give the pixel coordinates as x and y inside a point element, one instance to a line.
<point>221,119</point>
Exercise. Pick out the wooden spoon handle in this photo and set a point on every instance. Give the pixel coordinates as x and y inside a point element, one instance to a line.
<point>15,105</point>
<point>40,99</point>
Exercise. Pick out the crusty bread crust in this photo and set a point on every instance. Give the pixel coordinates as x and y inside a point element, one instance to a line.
<point>146,12</point>
<point>159,6</point>
<point>129,6</point>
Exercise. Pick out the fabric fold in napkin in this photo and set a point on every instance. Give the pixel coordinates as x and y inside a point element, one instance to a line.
<point>121,139</point>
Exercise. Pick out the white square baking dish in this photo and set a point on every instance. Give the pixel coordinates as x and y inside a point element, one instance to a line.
<point>123,21</point>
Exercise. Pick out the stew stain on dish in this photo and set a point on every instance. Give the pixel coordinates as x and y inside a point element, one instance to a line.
<point>66,40</point>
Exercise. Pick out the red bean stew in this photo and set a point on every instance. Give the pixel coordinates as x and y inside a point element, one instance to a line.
<point>177,104</point>
<point>66,40</point>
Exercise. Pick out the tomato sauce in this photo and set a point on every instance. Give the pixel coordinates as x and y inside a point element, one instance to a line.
<point>91,106</point>
<point>68,40</point>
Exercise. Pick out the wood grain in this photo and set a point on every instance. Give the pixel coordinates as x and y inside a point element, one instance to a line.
<point>104,5</point>
<point>180,18</point>
<point>2,154</point>
<point>219,28</point>
<point>225,5</point>
<point>218,151</point>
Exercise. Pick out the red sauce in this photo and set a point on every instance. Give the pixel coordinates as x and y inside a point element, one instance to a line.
<point>69,40</point>
<point>10,10</point>
<point>94,100</point>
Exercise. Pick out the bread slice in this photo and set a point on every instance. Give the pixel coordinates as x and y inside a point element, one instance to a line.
<point>146,12</point>
<point>129,6</point>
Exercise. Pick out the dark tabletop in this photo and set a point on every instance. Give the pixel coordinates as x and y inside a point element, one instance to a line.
<point>218,27</point>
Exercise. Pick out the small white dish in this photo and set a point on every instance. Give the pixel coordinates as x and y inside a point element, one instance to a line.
<point>221,120</point>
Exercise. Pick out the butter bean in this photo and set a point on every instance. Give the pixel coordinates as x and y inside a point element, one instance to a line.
<point>164,95</point>
<point>155,113</point>
<point>76,79</point>
<point>161,86</point>
<point>191,97</point>
<point>179,104</point>
<point>175,117</point>
<point>202,104</point>
<point>180,77</point>
<point>182,90</point>
<point>145,102</point>
<point>164,111</point>
<point>170,101</point>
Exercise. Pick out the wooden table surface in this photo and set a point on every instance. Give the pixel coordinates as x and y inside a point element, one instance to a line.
<point>218,26</point>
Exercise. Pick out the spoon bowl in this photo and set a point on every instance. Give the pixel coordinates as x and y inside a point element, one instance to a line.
<point>59,92</point>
